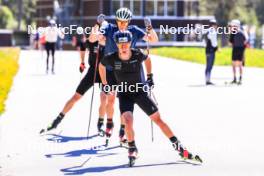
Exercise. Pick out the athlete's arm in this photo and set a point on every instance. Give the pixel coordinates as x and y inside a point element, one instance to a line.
<point>103,31</point>
<point>148,65</point>
<point>94,34</point>
<point>151,36</point>
<point>102,72</point>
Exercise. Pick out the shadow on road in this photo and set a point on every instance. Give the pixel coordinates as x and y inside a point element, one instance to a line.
<point>91,151</point>
<point>61,139</point>
<point>76,171</point>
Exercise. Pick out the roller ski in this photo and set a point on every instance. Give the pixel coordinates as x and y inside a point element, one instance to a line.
<point>108,134</point>
<point>185,154</point>
<point>132,156</point>
<point>240,81</point>
<point>52,126</point>
<point>100,125</point>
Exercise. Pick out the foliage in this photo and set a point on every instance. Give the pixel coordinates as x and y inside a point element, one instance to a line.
<point>8,69</point>
<point>7,20</point>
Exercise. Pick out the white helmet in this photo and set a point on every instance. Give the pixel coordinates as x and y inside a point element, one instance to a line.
<point>235,22</point>
<point>123,14</point>
<point>52,22</point>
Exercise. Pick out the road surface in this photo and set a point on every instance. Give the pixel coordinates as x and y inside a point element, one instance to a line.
<point>223,124</point>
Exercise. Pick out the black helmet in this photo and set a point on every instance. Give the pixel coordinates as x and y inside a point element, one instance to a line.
<point>123,36</point>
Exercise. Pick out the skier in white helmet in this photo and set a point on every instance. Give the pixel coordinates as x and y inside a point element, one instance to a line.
<point>123,18</point>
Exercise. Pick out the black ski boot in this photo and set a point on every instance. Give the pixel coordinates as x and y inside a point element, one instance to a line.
<point>132,153</point>
<point>100,124</point>
<point>234,81</point>
<point>54,124</point>
<point>240,81</point>
<point>122,139</point>
<point>108,131</point>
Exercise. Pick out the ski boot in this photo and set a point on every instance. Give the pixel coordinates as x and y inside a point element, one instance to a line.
<point>132,156</point>
<point>100,124</point>
<point>122,139</point>
<point>108,131</point>
<point>53,125</point>
<point>209,83</point>
<point>185,154</point>
<point>234,81</point>
<point>240,81</point>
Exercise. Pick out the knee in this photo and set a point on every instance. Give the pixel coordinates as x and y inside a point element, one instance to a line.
<point>156,118</point>
<point>111,99</point>
<point>127,117</point>
<point>103,98</point>
<point>76,97</point>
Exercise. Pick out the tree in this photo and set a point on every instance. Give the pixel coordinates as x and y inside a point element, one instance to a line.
<point>6,18</point>
<point>23,10</point>
<point>224,11</point>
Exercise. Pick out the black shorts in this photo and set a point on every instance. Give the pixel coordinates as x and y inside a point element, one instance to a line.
<point>111,81</point>
<point>238,54</point>
<point>110,78</point>
<point>127,101</point>
<point>50,46</point>
<point>81,45</point>
<point>87,81</point>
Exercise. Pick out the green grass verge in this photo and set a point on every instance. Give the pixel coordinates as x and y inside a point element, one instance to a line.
<point>8,69</point>
<point>254,57</point>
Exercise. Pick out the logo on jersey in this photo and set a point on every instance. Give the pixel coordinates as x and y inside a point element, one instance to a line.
<point>118,65</point>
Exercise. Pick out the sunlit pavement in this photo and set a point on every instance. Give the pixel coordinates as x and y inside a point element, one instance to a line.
<point>222,123</point>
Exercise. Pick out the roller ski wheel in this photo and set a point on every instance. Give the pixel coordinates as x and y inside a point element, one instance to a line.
<point>52,126</point>
<point>132,158</point>
<point>43,131</point>
<point>185,154</point>
<point>189,157</point>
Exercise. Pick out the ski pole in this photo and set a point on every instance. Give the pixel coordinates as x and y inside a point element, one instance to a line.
<point>94,78</point>
<point>147,23</point>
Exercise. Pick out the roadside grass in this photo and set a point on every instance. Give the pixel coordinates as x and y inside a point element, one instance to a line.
<point>254,57</point>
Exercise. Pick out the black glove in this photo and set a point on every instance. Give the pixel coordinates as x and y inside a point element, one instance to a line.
<point>215,49</point>
<point>150,81</point>
<point>82,67</point>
